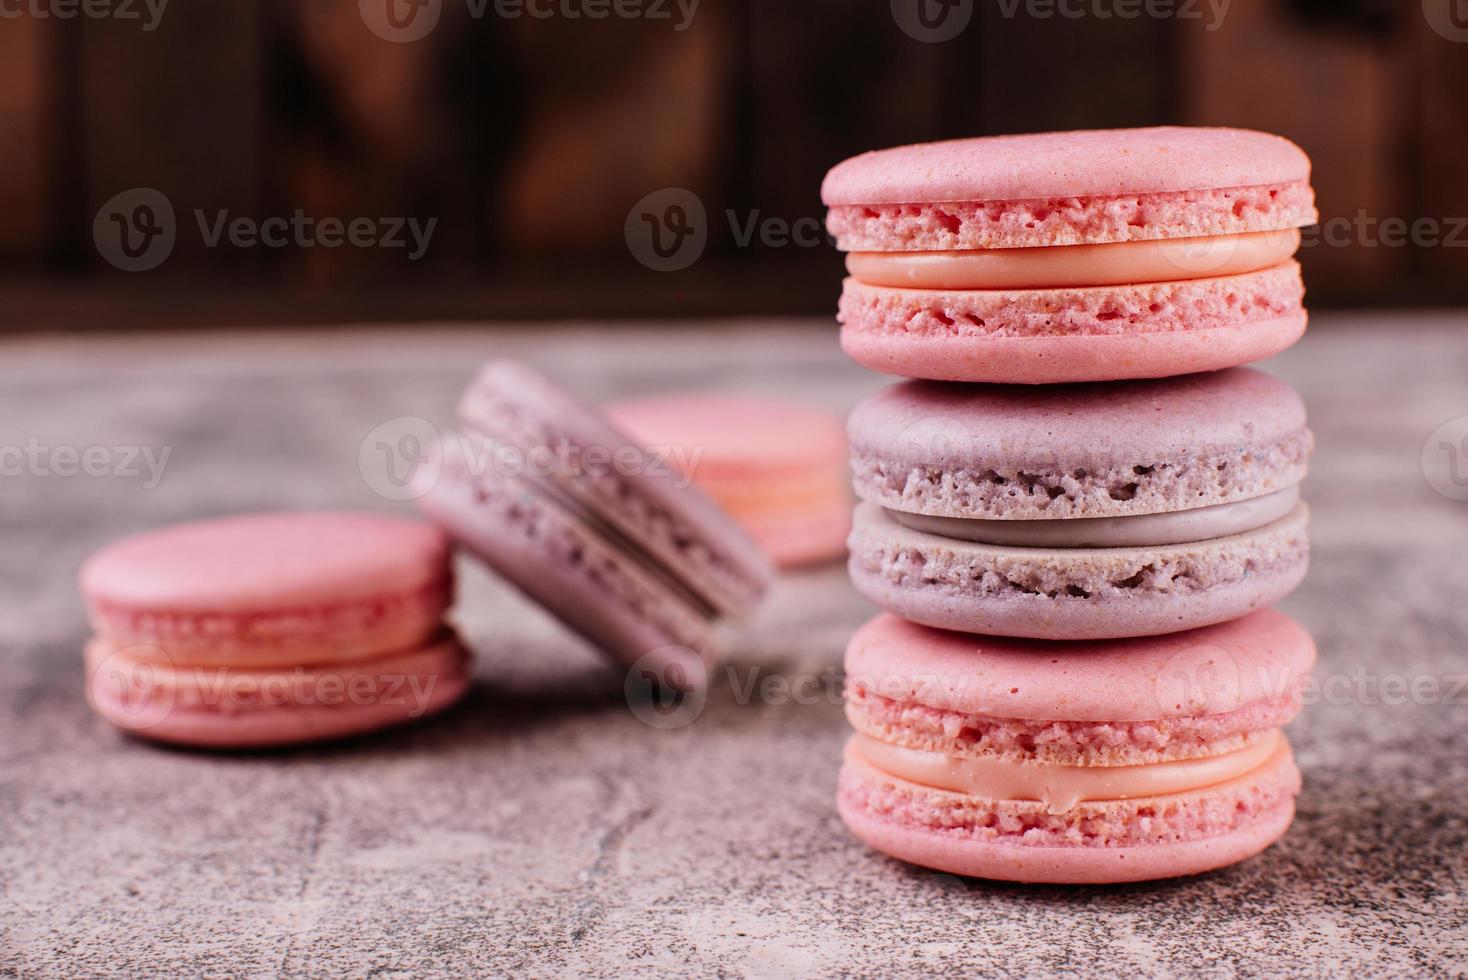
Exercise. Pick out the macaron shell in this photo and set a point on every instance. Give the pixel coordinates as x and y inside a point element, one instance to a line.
<point>730,436</point>
<point>195,706</point>
<point>585,579</point>
<point>1076,451</point>
<point>254,562</point>
<point>1076,188</point>
<point>1078,163</point>
<point>1255,658</point>
<point>1062,360</point>
<point>1023,336</point>
<point>1073,594</point>
<point>947,849</point>
<point>273,589</point>
<point>797,539</point>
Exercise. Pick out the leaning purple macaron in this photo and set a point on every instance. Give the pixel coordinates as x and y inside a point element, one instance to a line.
<point>1080,511</point>
<point>589,525</point>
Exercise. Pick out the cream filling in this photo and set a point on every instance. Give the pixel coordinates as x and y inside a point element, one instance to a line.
<point>1111,264</point>
<point>1060,788</point>
<point>1136,530</point>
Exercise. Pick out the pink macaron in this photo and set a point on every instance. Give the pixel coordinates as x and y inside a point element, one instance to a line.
<point>1100,762</point>
<point>1074,512</point>
<point>1081,256</point>
<point>778,467</point>
<point>272,629</point>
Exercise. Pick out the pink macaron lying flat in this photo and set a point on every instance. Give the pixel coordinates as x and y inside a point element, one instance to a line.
<point>777,467</point>
<point>271,629</point>
<point>606,536</point>
<point>1081,256</point>
<point>1099,762</point>
<point>1080,511</point>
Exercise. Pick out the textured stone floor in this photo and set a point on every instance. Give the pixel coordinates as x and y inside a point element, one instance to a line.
<point>545,827</point>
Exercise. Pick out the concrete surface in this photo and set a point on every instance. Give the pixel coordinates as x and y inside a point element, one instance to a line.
<point>546,828</point>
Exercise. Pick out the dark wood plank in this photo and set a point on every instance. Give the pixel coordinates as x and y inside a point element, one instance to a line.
<point>178,109</point>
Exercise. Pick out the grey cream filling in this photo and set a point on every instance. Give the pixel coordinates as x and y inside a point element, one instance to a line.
<point>646,562</point>
<point>1137,530</point>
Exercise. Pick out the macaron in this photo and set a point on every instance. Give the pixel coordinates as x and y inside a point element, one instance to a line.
<point>272,628</point>
<point>604,535</point>
<point>778,467</point>
<point>1075,512</point>
<point>1095,255</point>
<point>1098,762</point>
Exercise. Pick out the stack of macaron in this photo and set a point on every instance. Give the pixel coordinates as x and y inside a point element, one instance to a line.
<point>1077,516</point>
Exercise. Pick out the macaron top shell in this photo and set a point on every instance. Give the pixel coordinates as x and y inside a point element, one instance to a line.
<point>1214,670</point>
<point>268,562</point>
<point>1084,450</point>
<point>1081,163</point>
<point>727,433</point>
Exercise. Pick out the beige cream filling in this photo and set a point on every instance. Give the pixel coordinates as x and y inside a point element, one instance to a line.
<point>1061,787</point>
<point>1060,266</point>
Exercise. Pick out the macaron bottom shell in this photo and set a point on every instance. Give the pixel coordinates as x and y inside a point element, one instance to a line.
<point>1070,358</point>
<point>1076,593</point>
<point>1106,842</point>
<point>797,540</point>
<point>212,707</point>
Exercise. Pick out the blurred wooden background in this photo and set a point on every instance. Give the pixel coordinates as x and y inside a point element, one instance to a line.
<point>531,139</point>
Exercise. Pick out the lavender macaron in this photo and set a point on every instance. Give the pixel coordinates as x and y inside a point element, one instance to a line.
<point>1076,512</point>
<point>602,533</point>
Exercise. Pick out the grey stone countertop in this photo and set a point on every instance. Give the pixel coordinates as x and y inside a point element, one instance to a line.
<point>543,827</point>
